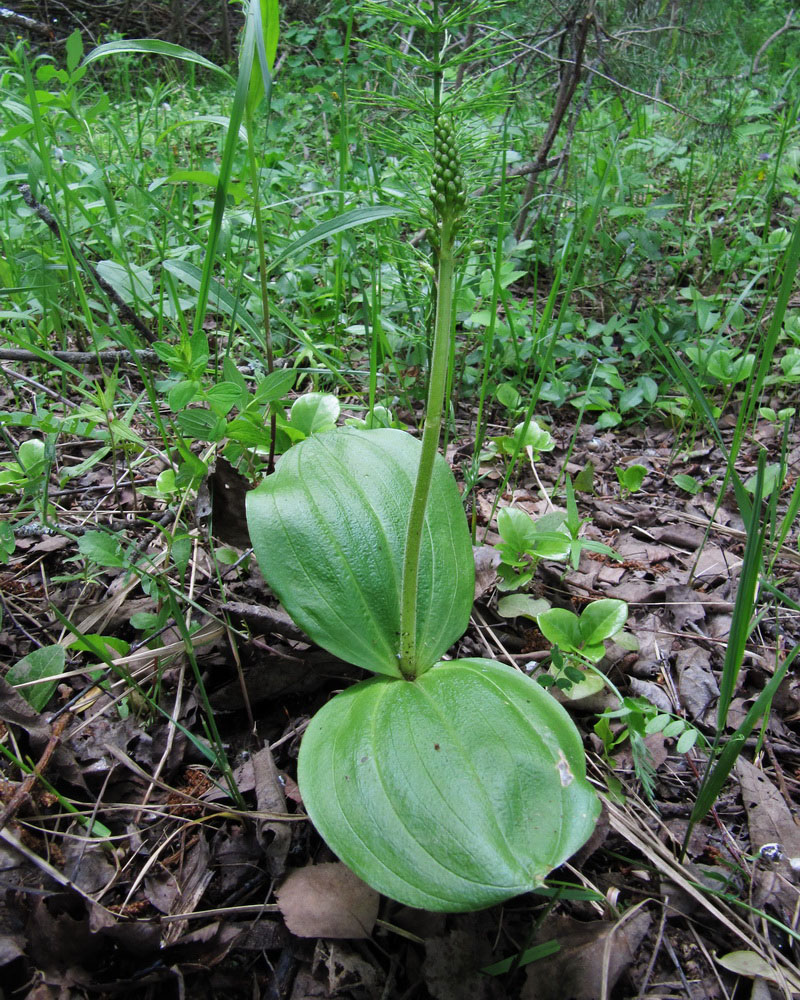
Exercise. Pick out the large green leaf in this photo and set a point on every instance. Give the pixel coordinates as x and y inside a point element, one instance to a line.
<point>451,792</point>
<point>329,529</point>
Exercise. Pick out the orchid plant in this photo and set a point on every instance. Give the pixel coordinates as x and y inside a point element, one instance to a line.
<point>446,784</point>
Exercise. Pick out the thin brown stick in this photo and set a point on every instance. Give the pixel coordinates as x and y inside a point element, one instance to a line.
<point>570,75</point>
<point>787,26</point>
<point>77,357</point>
<point>22,21</point>
<point>26,787</point>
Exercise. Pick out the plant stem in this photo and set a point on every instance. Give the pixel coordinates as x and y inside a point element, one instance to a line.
<point>440,355</point>
<point>262,273</point>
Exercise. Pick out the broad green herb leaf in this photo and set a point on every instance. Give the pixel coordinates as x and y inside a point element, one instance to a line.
<point>38,665</point>
<point>521,605</point>
<point>631,479</point>
<point>222,397</point>
<point>133,284</point>
<point>602,619</point>
<point>314,412</point>
<point>771,473</point>
<point>561,627</point>
<point>102,548</point>
<point>508,395</point>
<point>687,483</point>
<point>275,385</point>
<point>451,792</point>
<point>201,425</point>
<point>517,530</point>
<point>31,456</point>
<point>329,529</point>
<point>74,50</point>
<point>535,437</point>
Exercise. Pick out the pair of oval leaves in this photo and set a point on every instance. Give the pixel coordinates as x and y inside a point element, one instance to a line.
<point>453,791</point>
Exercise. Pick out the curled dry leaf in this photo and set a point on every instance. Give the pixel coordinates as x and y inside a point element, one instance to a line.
<point>328,901</point>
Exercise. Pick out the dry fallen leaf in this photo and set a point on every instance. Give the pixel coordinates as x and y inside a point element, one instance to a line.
<point>328,901</point>
<point>590,954</point>
<point>487,559</point>
<point>770,822</point>
<point>451,966</point>
<point>747,963</point>
<point>697,685</point>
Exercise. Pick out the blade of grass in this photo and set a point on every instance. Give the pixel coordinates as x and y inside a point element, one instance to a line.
<point>153,47</point>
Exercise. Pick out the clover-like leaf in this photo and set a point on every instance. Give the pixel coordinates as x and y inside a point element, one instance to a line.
<point>329,529</point>
<point>454,791</point>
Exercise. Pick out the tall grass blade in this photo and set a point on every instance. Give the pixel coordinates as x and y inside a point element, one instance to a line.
<point>718,775</point>
<point>153,47</point>
<point>338,224</point>
<point>745,600</point>
<point>265,15</point>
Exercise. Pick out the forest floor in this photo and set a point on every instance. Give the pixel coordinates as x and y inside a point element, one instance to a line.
<point>129,870</point>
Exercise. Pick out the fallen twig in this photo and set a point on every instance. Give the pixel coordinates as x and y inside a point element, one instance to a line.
<point>78,357</point>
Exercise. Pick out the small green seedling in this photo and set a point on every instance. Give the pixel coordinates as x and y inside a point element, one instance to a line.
<point>25,475</point>
<point>535,437</point>
<point>584,635</point>
<point>526,540</point>
<point>631,478</point>
<point>379,416</point>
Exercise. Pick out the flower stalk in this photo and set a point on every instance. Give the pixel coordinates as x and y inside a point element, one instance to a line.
<point>449,198</point>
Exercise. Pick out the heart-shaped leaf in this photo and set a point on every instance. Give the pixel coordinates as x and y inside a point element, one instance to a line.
<point>454,791</point>
<point>329,530</point>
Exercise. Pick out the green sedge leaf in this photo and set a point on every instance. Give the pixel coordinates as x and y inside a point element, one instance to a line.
<point>338,224</point>
<point>152,46</point>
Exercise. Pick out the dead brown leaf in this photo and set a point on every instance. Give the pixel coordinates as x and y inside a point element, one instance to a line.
<point>346,971</point>
<point>328,901</point>
<point>276,838</point>
<point>697,685</point>
<point>771,822</point>
<point>487,559</point>
<point>451,968</point>
<point>592,958</point>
